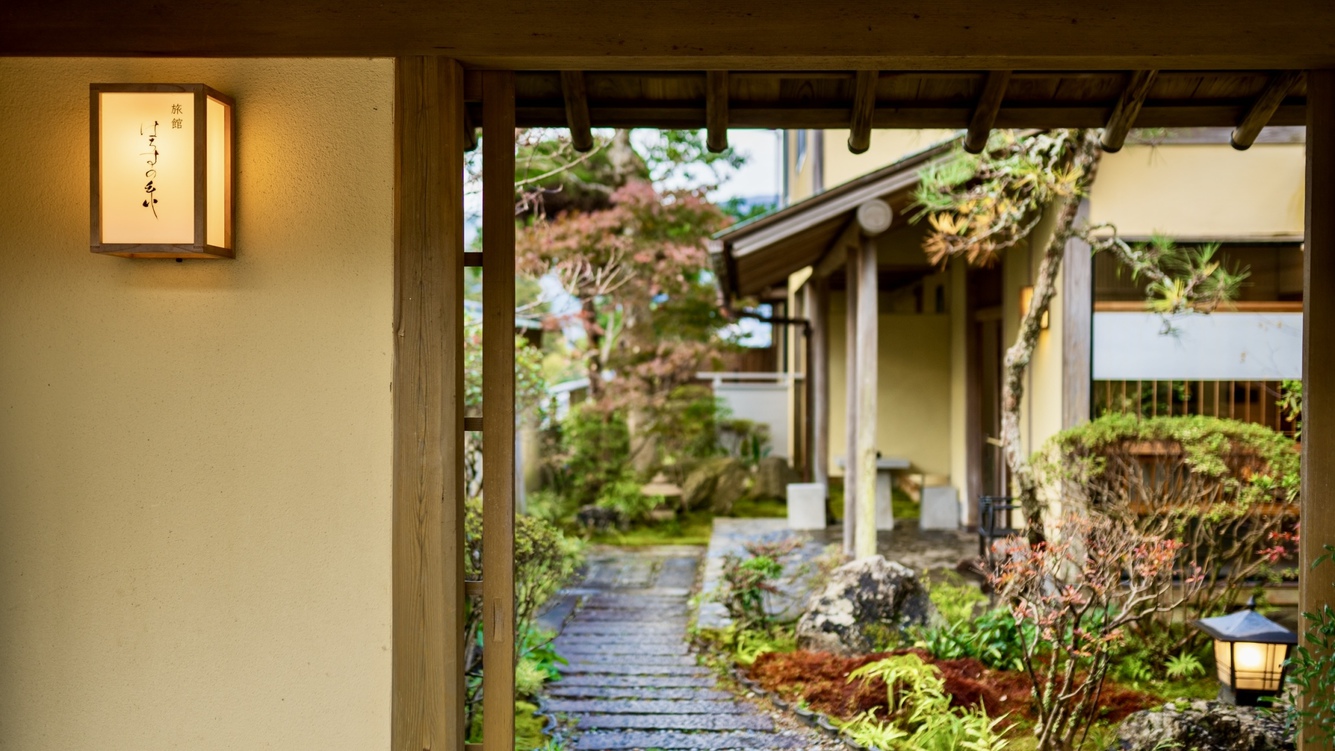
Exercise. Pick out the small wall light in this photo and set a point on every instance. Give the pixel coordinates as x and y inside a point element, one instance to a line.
<point>1027,299</point>
<point>1249,655</point>
<point>161,171</point>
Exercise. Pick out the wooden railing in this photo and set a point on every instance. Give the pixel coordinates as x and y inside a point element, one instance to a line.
<point>1249,401</point>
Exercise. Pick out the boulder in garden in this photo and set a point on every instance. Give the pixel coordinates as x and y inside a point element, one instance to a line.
<point>866,604</point>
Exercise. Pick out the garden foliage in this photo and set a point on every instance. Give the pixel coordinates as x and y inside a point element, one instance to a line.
<point>980,206</point>
<point>748,582</point>
<point>1312,669</point>
<point>1225,491</point>
<point>919,716</point>
<point>1073,598</point>
<point>544,561</point>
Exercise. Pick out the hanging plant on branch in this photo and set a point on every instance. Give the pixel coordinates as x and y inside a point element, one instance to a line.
<point>981,206</point>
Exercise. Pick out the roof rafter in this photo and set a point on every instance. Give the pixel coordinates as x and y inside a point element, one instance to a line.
<point>716,110</point>
<point>1263,109</point>
<point>985,113</point>
<point>1128,109</point>
<point>864,110</point>
<point>576,94</point>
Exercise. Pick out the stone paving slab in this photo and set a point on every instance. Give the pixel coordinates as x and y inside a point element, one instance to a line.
<point>734,721</point>
<point>611,628</point>
<point>599,659</point>
<point>647,670</point>
<point>644,706</point>
<point>667,617</point>
<point>619,641</point>
<point>670,741</point>
<point>559,690</point>
<point>647,681</point>
<point>632,681</point>
<point>575,646</point>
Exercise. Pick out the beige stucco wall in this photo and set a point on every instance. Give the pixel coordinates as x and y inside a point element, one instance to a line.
<point>887,146</point>
<point>1041,405</point>
<point>913,394</point>
<point>1194,191</point>
<point>195,457</point>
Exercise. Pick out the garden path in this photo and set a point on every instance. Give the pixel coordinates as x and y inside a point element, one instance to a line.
<point>632,681</point>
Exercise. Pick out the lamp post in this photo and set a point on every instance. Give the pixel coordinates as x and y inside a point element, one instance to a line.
<point>1250,651</point>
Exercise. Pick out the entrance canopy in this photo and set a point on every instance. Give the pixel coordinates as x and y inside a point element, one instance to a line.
<point>754,256</point>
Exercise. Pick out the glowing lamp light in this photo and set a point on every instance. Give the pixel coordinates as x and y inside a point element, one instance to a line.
<point>1249,655</point>
<point>1027,299</point>
<point>162,171</point>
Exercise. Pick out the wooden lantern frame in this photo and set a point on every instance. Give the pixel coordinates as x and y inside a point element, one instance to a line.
<point>200,248</point>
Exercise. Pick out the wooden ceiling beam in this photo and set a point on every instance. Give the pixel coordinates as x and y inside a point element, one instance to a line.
<point>1177,115</point>
<point>742,35</point>
<point>1128,109</point>
<point>985,113</point>
<point>1263,109</point>
<point>716,110</point>
<point>864,109</point>
<point>576,95</point>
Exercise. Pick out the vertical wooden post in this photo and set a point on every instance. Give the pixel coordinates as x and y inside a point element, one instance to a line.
<point>427,679</point>
<point>498,410</point>
<point>866,398</point>
<point>818,300</point>
<point>1077,322</point>
<point>1318,445</point>
<point>851,362</point>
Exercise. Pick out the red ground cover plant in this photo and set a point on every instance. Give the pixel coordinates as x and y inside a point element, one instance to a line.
<point>821,680</point>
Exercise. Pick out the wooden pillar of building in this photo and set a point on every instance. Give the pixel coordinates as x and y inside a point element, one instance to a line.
<point>498,410</point>
<point>865,382</point>
<point>851,361</point>
<point>818,313</point>
<point>427,547</point>
<point>1077,322</point>
<point>1318,444</point>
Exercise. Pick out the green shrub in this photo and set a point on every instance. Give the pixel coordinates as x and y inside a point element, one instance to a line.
<point>544,560</point>
<point>1226,490</point>
<point>622,495</point>
<point>748,581</point>
<point>993,638</point>
<point>919,715</point>
<point>1312,670</point>
<point>686,425</point>
<point>955,598</point>
<point>596,452</point>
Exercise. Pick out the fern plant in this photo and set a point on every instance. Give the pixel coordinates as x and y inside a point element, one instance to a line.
<point>1184,666</point>
<point>920,716</point>
<point>1312,669</point>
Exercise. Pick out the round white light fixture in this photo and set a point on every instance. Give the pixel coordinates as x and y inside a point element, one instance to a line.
<point>874,217</point>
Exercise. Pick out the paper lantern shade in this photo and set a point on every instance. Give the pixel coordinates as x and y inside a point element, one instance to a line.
<point>162,171</point>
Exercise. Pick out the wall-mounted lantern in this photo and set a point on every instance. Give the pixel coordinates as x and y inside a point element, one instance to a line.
<point>162,171</point>
<point>1249,655</point>
<point>1027,299</point>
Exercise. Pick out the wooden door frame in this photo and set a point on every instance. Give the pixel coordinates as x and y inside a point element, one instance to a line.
<point>428,682</point>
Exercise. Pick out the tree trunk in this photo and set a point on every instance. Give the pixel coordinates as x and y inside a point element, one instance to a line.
<point>1018,357</point>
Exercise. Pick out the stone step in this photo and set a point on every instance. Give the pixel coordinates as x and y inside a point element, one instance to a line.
<point>561,691</point>
<point>673,617</point>
<point>628,669</point>
<point>647,681</point>
<point>574,649</point>
<point>734,721</point>
<point>671,741</point>
<point>644,706</point>
<point>592,662</point>
<point>610,628</point>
